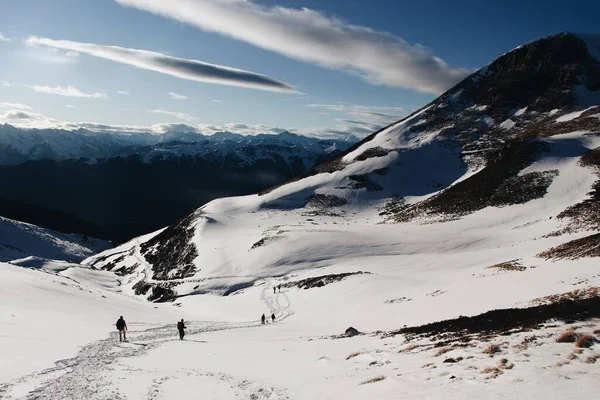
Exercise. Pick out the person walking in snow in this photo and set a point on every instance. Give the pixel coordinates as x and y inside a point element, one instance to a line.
<point>279,287</point>
<point>274,287</point>
<point>122,328</point>
<point>273,317</point>
<point>180,328</point>
<point>262,319</point>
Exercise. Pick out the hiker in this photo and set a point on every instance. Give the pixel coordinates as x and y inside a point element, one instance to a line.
<point>262,319</point>
<point>273,317</point>
<point>180,328</point>
<point>279,288</point>
<point>274,287</point>
<point>122,328</point>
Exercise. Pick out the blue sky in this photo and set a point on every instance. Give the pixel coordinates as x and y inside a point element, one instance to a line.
<point>315,67</point>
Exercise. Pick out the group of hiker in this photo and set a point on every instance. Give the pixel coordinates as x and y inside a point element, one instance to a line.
<point>122,328</point>
<point>263,319</point>
<point>122,325</point>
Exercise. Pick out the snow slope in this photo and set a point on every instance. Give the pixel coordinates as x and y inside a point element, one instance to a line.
<point>443,216</point>
<point>20,240</point>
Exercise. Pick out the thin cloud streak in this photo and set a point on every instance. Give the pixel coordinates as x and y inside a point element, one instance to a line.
<point>178,67</point>
<point>177,96</point>
<point>175,114</point>
<point>69,91</point>
<point>16,106</point>
<point>303,34</point>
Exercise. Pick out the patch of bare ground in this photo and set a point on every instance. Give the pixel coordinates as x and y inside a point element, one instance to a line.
<point>526,342</point>
<point>320,281</point>
<point>592,359</point>
<point>577,294</point>
<point>502,322</point>
<point>373,380</point>
<point>513,265</point>
<point>492,349</point>
<point>492,372</point>
<point>264,241</point>
<point>318,200</point>
<point>568,336</point>
<point>585,340</point>
<point>172,252</point>
<point>498,184</point>
<point>444,350</point>
<point>586,214</point>
<point>372,152</point>
<point>352,355</point>
<point>409,348</point>
<point>364,182</point>
<point>588,246</point>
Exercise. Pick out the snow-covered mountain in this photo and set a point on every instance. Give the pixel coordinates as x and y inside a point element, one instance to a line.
<point>21,145</point>
<point>19,240</point>
<point>450,255</point>
<point>506,157</point>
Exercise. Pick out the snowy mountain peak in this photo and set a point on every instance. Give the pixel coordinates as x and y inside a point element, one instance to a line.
<point>507,159</point>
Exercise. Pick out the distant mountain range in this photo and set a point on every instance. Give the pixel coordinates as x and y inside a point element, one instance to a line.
<point>121,185</point>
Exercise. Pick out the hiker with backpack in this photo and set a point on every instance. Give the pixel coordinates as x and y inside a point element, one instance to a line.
<point>180,328</point>
<point>262,319</point>
<point>122,328</point>
<point>273,317</point>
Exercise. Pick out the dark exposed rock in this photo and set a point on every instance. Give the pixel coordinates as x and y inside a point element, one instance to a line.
<point>320,281</point>
<point>364,182</point>
<point>588,246</point>
<point>586,214</point>
<point>498,184</point>
<point>318,200</point>
<point>504,321</point>
<point>172,251</point>
<point>351,332</point>
<point>372,152</point>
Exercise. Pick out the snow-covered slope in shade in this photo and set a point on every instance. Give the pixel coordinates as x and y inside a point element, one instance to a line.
<point>19,240</point>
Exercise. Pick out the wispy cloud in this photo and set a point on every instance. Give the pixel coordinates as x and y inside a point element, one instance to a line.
<point>69,91</point>
<point>4,38</point>
<point>217,101</point>
<point>380,115</point>
<point>5,84</point>
<point>15,106</point>
<point>70,106</point>
<point>123,92</point>
<point>304,34</point>
<point>175,114</point>
<point>179,67</point>
<point>177,96</point>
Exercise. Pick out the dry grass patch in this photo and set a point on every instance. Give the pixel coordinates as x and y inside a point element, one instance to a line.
<point>444,350</point>
<point>352,355</point>
<point>568,336</point>
<point>584,341</point>
<point>572,356</point>
<point>408,348</point>
<point>373,380</point>
<point>513,265</point>
<point>492,349</point>
<point>577,294</point>
<point>492,372</point>
<point>592,359</point>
